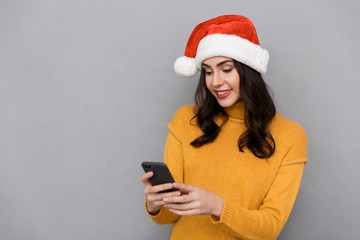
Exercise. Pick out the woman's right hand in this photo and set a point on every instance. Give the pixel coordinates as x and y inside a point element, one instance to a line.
<point>154,199</point>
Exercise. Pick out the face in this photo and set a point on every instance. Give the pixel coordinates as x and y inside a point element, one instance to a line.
<point>222,80</point>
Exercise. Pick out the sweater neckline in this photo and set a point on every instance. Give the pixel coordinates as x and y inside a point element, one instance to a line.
<point>236,111</point>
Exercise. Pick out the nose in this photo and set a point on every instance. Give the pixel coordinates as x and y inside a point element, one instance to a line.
<point>217,79</point>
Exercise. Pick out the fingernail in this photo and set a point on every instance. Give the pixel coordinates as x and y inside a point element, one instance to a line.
<point>165,199</point>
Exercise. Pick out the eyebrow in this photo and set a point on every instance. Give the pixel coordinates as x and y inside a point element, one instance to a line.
<point>219,64</point>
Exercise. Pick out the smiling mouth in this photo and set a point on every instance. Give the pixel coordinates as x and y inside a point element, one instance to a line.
<point>222,92</point>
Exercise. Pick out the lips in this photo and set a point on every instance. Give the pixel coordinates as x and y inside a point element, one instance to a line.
<point>223,93</point>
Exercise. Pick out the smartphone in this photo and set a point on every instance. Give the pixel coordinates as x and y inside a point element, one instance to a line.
<point>161,174</point>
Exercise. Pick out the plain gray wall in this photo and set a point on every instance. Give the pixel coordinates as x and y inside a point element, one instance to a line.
<point>87,88</point>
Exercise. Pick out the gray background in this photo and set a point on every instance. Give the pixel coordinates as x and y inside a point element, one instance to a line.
<point>87,88</point>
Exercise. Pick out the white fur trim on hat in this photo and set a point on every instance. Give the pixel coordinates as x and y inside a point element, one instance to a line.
<point>185,66</point>
<point>233,47</point>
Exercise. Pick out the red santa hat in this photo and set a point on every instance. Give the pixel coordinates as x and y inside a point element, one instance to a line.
<point>230,36</point>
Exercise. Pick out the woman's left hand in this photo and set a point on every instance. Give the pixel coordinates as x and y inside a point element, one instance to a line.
<point>195,201</point>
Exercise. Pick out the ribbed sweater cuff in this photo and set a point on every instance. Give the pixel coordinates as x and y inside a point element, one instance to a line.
<point>227,214</point>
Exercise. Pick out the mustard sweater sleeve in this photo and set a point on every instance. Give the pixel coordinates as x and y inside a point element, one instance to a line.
<point>269,219</point>
<point>173,159</point>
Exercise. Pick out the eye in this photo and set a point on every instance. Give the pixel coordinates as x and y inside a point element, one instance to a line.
<point>227,70</point>
<point>207,72</point>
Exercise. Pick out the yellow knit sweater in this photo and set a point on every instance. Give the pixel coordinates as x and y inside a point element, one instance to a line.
<point>258,193</point>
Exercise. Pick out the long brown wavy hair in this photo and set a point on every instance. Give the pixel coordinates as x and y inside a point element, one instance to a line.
<point>259,111</point>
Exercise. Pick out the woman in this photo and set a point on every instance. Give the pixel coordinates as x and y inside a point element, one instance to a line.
<point>236,162</point>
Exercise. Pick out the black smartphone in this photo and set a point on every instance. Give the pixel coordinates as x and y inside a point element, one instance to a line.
<point>161,174</point>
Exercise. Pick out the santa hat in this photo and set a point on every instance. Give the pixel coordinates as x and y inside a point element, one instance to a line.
<point>230,36</point>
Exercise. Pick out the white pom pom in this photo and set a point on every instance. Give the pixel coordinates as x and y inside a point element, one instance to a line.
<point>185,66</point>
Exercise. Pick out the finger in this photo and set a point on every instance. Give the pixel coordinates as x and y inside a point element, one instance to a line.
<point>183,206</point>
<point>161,187</point>
<point>180,199</point>
<point>169,194</point>
<point>146,176</point>
<point>185,188</point>
<point>160,196</point>
<point>191,212</point>
<point>158,204</point>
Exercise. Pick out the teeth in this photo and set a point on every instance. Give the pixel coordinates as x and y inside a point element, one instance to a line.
<point>221,93</point>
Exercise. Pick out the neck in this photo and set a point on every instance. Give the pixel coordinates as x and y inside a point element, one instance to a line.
<point>236,111</point>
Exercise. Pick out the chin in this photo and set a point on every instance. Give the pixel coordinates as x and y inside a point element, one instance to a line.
<point>225,104</point>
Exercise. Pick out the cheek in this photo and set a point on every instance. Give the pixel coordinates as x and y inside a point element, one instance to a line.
<point>236,83</point>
